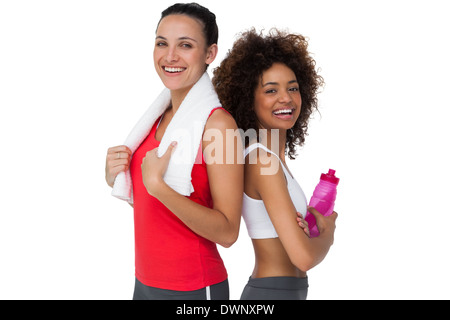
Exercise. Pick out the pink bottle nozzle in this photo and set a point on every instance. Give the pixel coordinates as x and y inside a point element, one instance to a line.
<point>330,177</point>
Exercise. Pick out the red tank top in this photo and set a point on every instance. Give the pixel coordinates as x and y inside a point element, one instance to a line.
<point>169,255</point>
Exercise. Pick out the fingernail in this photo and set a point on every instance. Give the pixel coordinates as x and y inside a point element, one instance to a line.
<point>173,144</point>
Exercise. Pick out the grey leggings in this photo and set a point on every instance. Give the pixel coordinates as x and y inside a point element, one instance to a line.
<point>276,288</point>
<point>219,291</point>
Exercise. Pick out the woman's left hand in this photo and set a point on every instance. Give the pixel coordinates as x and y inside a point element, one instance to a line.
<point>154,168</point>
<point>302,223</point>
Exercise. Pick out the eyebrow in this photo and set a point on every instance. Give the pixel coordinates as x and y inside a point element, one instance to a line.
<point>181,38</point>
<point>277,84</point>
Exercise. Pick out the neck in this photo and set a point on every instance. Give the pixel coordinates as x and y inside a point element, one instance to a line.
<point>177,97</point>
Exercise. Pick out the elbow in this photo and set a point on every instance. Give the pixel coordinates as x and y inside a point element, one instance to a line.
<point>226,244</point>
<point>229,240</point>
<point>305,267</point>
<point>304,262</point>
<point>230,235</point>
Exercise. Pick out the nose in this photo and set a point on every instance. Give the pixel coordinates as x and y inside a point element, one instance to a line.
<point>284,96</point>
<point>172,55</point>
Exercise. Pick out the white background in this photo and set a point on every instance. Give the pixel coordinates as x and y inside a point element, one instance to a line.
<point>75,76</point>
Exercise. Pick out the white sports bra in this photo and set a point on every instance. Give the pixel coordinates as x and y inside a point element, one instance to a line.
<point>257,220</point>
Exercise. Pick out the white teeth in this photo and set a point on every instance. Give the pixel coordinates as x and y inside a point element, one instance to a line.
<point>169,69</point>
<point>283,111</point>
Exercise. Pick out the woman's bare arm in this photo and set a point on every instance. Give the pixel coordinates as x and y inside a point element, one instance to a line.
<point>221,223</point>
<point>304,252</point>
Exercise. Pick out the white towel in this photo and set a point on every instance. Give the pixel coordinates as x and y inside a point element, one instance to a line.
<point>186,127</point>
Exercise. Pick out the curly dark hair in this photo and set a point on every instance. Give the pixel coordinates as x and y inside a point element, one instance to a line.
<point>236,78</point>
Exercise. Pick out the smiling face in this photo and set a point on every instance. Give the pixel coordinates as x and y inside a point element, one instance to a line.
<point>181,54</point>
<point>277,98</point>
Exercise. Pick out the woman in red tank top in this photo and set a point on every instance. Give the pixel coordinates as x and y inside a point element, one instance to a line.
<point>176,236</point>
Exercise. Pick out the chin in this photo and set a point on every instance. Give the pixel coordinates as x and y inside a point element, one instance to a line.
<point>286,125</point>
<point>172,84</point>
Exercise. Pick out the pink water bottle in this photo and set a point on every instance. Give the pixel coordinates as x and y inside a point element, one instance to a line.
<point>323,199</point>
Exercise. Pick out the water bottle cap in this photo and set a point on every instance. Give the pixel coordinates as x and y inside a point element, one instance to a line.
<point>330,177</point>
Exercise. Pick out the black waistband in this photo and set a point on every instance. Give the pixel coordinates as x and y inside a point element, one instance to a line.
<point>282,283</point>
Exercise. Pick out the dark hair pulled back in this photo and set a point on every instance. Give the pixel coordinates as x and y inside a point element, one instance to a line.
<point>200,13</point>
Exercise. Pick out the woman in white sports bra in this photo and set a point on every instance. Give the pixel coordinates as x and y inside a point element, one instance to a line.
<point>269,84</point>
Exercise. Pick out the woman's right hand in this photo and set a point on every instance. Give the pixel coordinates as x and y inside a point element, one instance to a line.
<point>117,160</point>
<point>303,224</point>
